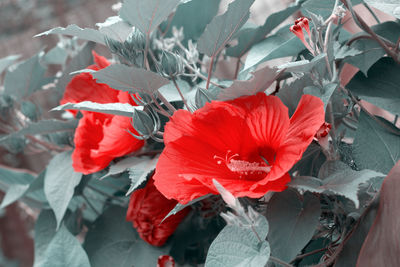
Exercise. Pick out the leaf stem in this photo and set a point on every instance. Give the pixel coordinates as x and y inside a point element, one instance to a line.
<point>180,93</point>
<point>210,68</point>
<point>276,260</point>
<point>166,102</point>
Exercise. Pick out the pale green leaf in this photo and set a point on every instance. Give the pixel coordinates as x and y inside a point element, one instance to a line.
<point>74,30</point>
<point>240,246</point>
<point>222,28</point>
<point>139,173</point>
<point>391,7</point>
<point>14,192</point>
<point>45,229</point>
<point>56,55</point>
<point>260,81</point>
<point>323,93</point>
<point>292,221</point>
<point>146,15</point>
<point>115,28</point>
<point>130,79</point>
<point>122,109</point>
<point>59,183</point>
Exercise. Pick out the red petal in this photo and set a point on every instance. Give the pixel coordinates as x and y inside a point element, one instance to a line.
<point>99,139</point>
<point>304,123</point>
<point>100,61</point>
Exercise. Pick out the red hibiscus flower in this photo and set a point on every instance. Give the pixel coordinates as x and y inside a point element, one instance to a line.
<point>248,145</point>
<point>99,137</point>
<point>147,208</point>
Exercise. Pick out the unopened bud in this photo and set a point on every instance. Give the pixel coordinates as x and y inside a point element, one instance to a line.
<point>202,97</point>
<point>171,65</point>
<point>136,40</point>
<point>143,123</point>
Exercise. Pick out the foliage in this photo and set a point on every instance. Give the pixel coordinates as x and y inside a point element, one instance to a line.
<point>170,58</point>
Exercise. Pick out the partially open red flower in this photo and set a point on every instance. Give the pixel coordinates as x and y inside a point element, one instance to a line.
<point>99,137</point>
<point>147,208</point>
<point>297,29</point>
<point>248,145</point>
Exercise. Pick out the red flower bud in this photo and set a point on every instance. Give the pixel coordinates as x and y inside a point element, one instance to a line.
<point>147,208</point>
<point>165,261</point>
<point>323,130</point>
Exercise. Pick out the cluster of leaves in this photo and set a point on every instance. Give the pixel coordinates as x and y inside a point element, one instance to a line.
<point>170,52</point>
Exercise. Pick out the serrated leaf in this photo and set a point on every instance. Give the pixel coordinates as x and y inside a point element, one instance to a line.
<point>178,207</point>
<point>281,44</point>
<point>239,246</point>
<point>146,15</point>
<point>381,87</point>
<point>111,241</point>
<point>259,82</point>
<point>81,60</point>
<point>194,16</point>
<point>345,182</point>
<point>115,28</point>
<point>5,62</point>
<point>25,78</point>
<point>139,173</point>
<point>65,250</point>
<point>122,109</point>
<point>59,183</point>
<point>74,30</point>
<point>391,7</point>
<point>323,93</point>
<point>222,28</point>
<point>130,79</point>
<point>302,66</point>
<point>250,36</point>
<point>375,147</point>
<point>292,223</point>
<point>42,127</point>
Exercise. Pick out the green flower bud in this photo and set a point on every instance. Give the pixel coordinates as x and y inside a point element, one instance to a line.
<point>171,65</point>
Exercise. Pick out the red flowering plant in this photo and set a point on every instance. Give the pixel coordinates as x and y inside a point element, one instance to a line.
<point>189,146</point>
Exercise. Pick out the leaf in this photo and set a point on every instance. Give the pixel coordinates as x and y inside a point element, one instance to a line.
<point>292,223</point>
<point>59,183</point>
<point>146,15</point>
<point>45,230</point>
<point>81,60</point>
<point>222,28</point>
<point>111,241</point>
<point>259,82</point>
<point>302,66</point>
<point>380,247</point>
<point>74,30</point>
<point>139,173</point>
<point>391,7</point>
<point>239,246</point>
<point>130,79</point>
<point>250,36</point>
<point>5,62</point>
<point>290,93</point>
<point>9,176</point>
<point>381,87</point>
<point>322,7</point>
<point>345,182</point>
<point>194,16</point>
<point>115,28</point>
<point>281,44</point>
<point>25,78</point>
<point>65,250</point>
<point>323,93</point>
<point>374,147</point>
<point>42,127</point>
<point>341,52</point>
<point>14,192</point>
<point>170,92</point>
<point>122,109</point>
<point>180,206</point>
<point>56,55</point>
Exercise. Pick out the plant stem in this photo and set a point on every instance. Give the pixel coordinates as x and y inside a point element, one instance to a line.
<point>180,93</point>
<point>146,50</point>
<point>91,205</point>
<point>210,71</point>
<point>200,75</point>
<point>166,102</point>
<point>274,259</point>
<point>372,12</point>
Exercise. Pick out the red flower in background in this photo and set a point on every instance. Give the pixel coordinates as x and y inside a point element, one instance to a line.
<point>147,208</point>
<point>248,145</point>
<point>99,138</point>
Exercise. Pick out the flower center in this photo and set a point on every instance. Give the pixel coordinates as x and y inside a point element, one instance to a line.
<point>242,167</point>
